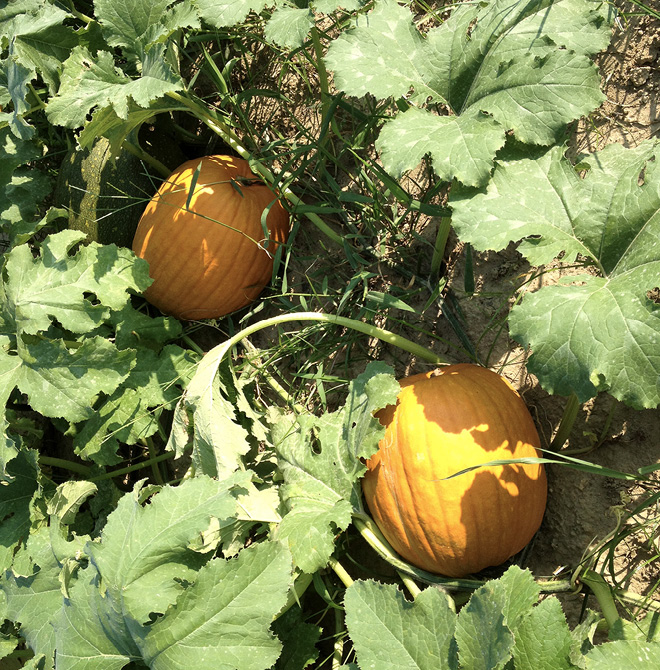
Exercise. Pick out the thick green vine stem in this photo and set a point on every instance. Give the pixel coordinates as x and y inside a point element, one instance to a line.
<point>208,367</point>
<point>603,592</point>
<point>371,533</point>
<point>340,571</point>
<point>53,462</point>
<point>132,468</point>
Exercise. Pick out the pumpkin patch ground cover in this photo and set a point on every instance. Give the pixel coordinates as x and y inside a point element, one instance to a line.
<point>464,184</point>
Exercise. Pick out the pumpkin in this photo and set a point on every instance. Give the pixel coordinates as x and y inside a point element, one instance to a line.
<point>444,422</point>
<point>206,246</point>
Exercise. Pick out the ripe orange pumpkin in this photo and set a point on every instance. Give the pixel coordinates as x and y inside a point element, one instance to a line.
<point>206,251</point>
<point>443,422</point>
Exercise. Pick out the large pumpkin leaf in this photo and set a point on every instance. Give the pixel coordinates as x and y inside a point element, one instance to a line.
<point>223,621</point>
<point>37,43</point>
<point>632,655</point>
<point>211,609</point>
<point>492,66</point>
<point>33,586</point>
<point>19,484</point>
<point>38,38</point>
<point>132,412</point>
<point>94,82</point>
<point>57,284</point>
<point>390,633</point>
<point>501,626</point>
<point>597,331</point>
<point>135,25</point>
<point>320,460</point>
<point>22,189</point>
<point>147,545</point>
<point>77,291</point>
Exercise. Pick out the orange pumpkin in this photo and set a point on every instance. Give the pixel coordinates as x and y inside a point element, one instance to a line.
<point>207,251</point>
<point>444,422</point>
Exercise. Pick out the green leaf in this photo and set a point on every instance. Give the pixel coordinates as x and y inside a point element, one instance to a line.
<point>135,329</point>
<point>222,621</point>
<point>384,55</point>
<point>106,123</point>
<point>131,413</point>
<point>22,188</point>
<point>40,41</point>
<point>34,590</point>
<point>145,567</point>
<point>63,383</point>
<point>56,284</point>
<point>136,24</point>
<point>17,487</point>
<point>298,638</point>
<point>144,554</point>
<point>89,634</point>
<point>629,654</point>
<point>484,640</point>
<point>543,640</point>
<point>289,26</point>
<point>223,13</point>
<point>487,624</point>
<point>219,441</point>
<point>68,498</point>
<point>18,79</point>
<point>91,82</point>
<point>596,331</point>
<point>461,146</point>
<point>390,633</point>
<point>319,458</point>
<point>494,67</point>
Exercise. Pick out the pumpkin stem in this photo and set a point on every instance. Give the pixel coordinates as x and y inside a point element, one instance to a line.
<point>340,571</point>
<point>158,475</point>
<point>411,585</point>
<point>138,152</point>
<point>603,592</point>
<point>62,463</point>
<point>132,468</point>
<point>340,634</point>
<point>371,533</point>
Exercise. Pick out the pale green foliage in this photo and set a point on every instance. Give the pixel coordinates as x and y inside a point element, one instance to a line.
<point>21,189</point>
<point>595,331</point>
<point>319,459</point>
<point>501,626</point>
<point>91,82</point>
<point>197,575</point>
<point>493,66</point>
<point>392,634</point>
<point>289,23</point>
<point>143,564</point>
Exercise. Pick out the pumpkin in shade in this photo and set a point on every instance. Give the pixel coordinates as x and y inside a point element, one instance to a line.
<point>206,246</point>
<point>444,422</point>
